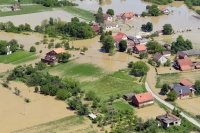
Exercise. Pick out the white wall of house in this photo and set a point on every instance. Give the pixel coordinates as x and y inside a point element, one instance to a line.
<point>109,18</point>
<point>110,27</point>
<point>147,103</point>
<point>162,59</point>
<point>167,55</point>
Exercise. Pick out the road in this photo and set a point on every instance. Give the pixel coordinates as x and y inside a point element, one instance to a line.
<point>170,106</point>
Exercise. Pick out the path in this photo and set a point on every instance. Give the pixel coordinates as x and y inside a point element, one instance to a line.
<point>170,106</point>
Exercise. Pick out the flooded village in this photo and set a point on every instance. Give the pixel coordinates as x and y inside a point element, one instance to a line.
<point>99,66</point>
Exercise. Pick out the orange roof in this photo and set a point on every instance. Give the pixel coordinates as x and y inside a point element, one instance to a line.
<point>119,36</point>
<point>162,9</point>
<point>197,66</point>
<point>175,117</point>
<point>140,47</point>
<point>185,67</point>
<point>185,82</point>
<point>128,14</point>
<point>59,50</point>
<point>144,97</point>
<point>185,62</point>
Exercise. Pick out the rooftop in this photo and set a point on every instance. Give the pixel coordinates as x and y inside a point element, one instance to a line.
<point>157,56</point>
<point>59,50</point>
<point>143,97</point>
<point>185,67</point>
<point>181,89</point>
<point>185,82</point>
<point>128,14</point>
<point>192,52</point>
<point>108,24</point>
<point>140,47</point>
<point>168,118</point>
<point>166,52</point>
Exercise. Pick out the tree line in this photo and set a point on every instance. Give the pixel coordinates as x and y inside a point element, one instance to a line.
<point>55,3</point>
<point>14,46</point>
<point>160,2</point>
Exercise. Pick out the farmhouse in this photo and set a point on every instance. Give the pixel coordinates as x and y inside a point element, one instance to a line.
<point>127,16</point>
<point>159,32</point>
<point>51,56</point>
<point>185,64</point>
<point>159,58</point>
<point>95,28</point>
<point>128,96</point>
<point>168,119</point>
<point>139,49</point>
<point>166,53</point>
<point>107,17</point>
<point>109,25</point>
<point>117,38</point>
<point>192,52</point>
<point>164,10</point>
<point>15,8</point>
<point>142,99</point>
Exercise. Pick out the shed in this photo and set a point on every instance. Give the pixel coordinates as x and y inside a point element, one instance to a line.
<point>93,116</point>
<point>128,96</point>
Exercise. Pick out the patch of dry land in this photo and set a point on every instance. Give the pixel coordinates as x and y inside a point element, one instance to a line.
<point>149,111</point>
<point>15,114</point>
<point>190,105</point>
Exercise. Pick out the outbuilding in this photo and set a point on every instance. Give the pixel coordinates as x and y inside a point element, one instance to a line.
<point>142,99</point>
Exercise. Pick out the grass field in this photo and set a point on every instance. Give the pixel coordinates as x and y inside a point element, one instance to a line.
<point>121,105</point>
<point>27,59</point>
<point>26,10</point>
<point>80,72</point>
<point>14,57</point>
<point>83,14</point>
<point>117,83</point>
<point>13,1</point>
<point>68,124</point>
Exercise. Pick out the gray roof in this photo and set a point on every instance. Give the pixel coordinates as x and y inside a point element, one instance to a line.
<point>168,118</point>
<point>192,52</point>
<point>184,89</point>
<point>144,40</point>
<point>131,37</point>
<point>174,85</point>
<point>129,95</point>
<point>157,56</point>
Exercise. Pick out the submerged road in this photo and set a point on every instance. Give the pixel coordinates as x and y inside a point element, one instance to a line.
<point>170,106</point>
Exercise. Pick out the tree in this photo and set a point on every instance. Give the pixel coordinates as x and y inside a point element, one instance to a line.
<point>140,68</point>
<point>110,12</point>
<point>63,94</point>
<point>122,45</point>
<point>143,55</point>
<point>167,63</point>
<point>154,47</point>
<point>32,49</point>
<point>164,89</point>
<point>99,18</point>
<point>197,86</point>
<point>130,64</point>
<point>90,95</point>
<point>102,37</point>
<point>64,57</point>
<point>147,27</point>
<point>167,29</point>
<point>100,11</point>
<point>36,89</point>
<point>172,96</point>
<point>66,45</point>
<point>176,112</point>
<point>108,43</point>
<point>41,66</point>
<point>181,45</point>
<point>158,63</point>
<point>75,19</point>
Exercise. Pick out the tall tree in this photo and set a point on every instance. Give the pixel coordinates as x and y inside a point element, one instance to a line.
<point>110,12</point>
<point>172,96</point>
<point>122,45</point>
<point>154,47</point>
<point>140,68</point>
<point>108,43</point>
<point>99,16</point>
<point>102,37</point>
<point>164,89</point>
<point>167,29</point>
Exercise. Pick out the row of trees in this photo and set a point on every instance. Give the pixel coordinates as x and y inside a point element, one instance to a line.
<point>75,28</point>
<point>54,3</point>
<point>10,27</point>
<point>152,11</point>
<point>160,2</point>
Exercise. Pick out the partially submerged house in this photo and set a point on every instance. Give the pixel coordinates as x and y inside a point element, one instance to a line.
<point>142,99</point>
<point>117,38</point>
<point>109,25</point>
<point>139,49</point>
<point>159,58</point>
<point>95,28</point>
<point>128,96</point>
<point>107,17</point>
<point>127,16</point>
<point>159,32</point>
<point>15,8</point>
<point>51,56</point>
<point>164,10</point>
<point>168,119</point>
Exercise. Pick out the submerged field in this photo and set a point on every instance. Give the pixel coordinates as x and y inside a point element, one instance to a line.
<point>18,57</point>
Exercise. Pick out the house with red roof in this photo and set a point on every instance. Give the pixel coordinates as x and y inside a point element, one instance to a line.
<point>107,17</point>
<point>185,64</point>
<point>95,28</point>
<point>127,16</point>
<point>164,10</point>
<point>15,8</point>
<point>139,49</point>
<point>51,56</point>
<point>117,38</point>
<point>142,99</point>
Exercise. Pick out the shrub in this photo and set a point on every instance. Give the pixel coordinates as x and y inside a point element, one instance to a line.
<point>40,51</point>
<point>27,100</point>
<point>52,40</point>
<point>37,43</point>
<point>32,49</point>
<point>52,64</point>
<point>63,94</point>
<point>36,89</point>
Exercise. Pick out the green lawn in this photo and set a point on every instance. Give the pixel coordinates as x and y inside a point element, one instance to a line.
<point>121,105</point>
<point>76,70</point>
<point>26,10</point>
<point>83,14</point>
<point>68,125</point>
<point>167,79</point>
<point>17,56</point>
<point>117,83</point>
<point>13,1</point>
<point>27,59</point>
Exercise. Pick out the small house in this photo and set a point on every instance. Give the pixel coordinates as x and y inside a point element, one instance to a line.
<point>142,99</point>
<point>185,64</point>
<point>182,91</point>
<point>127,16</point>
<point>159,58</point>
<point>107,17</point>
<point>168,119</point>
<point>15,8</point>
<point>164,10</point>
<point>109,25</point>
<point>139,49</point>
<point>117,38</point>
<point>159,32</point>
<point>166,53</point>
<point>180,55</point>
<point>95,28</point>
<point>128,96</point>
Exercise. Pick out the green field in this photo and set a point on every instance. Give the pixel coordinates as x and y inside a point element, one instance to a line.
<point>14,57</point>
<point>75,124</point>
<point>83,14</point>
<point>76,70</point>
<point>121,105</point>
<point>27,59</point>
<point>117,83</point>
<point>26,10</point>
<point>167,79</point>
<point>13,1</point>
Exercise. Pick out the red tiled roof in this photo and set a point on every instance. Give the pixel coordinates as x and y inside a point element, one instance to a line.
<point>186,67</point>
<point>197,66</point>
<point>166,52</point>
<point>105,16</point>
<point>185,62</point>
<point>185,82</point>
<point>159,31</point>
<point>15,7</point>
<point>175,117</point>
<point>95,28</point>
<point>162,9</point>
<point>140,47</point>
<point>144,97</point>
<point>119,36</point>
<point>128,14</point>
<point>59,50</point>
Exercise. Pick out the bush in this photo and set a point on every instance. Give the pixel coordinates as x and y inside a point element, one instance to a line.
<point>27,100</point>
<point>40,51</point>
<point>52,64</point>
<point>63,94</point>
<point>58,45</point>
<point>36,89</point>
<point>37,43</point>
<point>32,49</point>
<point>52,40</point>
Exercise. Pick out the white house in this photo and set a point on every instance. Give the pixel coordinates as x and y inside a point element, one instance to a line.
<point>109,25</point>
<point>164,10</point>
<point>107,17</point>
<point>159,58</point>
